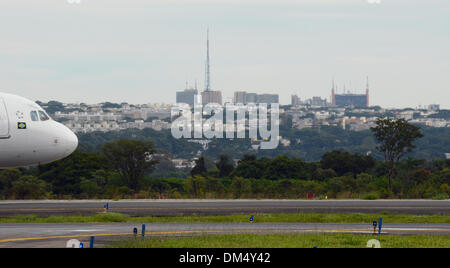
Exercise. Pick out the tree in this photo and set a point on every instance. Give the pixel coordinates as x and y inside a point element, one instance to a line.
<point>66,175</point>
<point>344,162</point>
<point>240,187</point>
<point>89,188</point>
<point>395,139</point>
<point>225,166</point>
<point>196,186</point>
<point>108,105</point>
<point>420,176</point>
<point>200,167</point>
<point>282,167</point>
<point>250,167</point>
<point>131,159</point>
<point>29,187</point>
<point>7,177</point>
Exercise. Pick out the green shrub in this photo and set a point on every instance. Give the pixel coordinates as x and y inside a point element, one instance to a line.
<point>371,196</point>
<point>440,196</point>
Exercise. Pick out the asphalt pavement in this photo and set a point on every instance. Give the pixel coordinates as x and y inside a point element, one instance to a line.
<point>54,235</point>
<point>221,207</point>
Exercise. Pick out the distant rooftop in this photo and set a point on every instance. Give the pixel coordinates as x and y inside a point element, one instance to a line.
<point>349,94</point>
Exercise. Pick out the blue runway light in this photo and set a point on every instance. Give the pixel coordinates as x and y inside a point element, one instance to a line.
<point>380,225</point>
<point>143,231</point>
<point>135,232</point>
<point>91,243</point>
<point>106,207</point>
<point>252,218</point>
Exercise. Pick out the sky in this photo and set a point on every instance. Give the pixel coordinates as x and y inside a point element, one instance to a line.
<point>143,51</point>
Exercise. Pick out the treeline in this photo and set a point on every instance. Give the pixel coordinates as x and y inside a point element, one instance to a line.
<point>308,144</point>
<point>123,168</point>
<point>104,175</point>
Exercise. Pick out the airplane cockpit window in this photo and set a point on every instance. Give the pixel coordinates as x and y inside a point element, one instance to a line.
<point>43,116</point>
<point>34,116</point>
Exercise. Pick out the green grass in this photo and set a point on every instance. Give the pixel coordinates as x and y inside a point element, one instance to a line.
<point>259,218</point>
<point>110,217</point>
<point>288,241</point>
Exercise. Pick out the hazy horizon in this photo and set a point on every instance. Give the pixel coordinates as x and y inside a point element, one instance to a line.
<point>144,51</point>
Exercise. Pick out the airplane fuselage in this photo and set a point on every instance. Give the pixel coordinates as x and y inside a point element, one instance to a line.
<point>28,136</point>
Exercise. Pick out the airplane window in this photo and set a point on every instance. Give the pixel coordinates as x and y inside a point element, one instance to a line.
<point>43,116</point>
<point>34,116</point>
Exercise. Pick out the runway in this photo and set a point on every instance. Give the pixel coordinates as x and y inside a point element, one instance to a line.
<point>56,235</point>
<point>221,207</point>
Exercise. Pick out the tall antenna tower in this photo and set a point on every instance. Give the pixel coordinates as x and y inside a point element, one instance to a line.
<point>207,74</point>
<point>367,93</point>
<point>333,94</point>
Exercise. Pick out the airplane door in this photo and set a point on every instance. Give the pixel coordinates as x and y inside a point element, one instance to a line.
<point>4,121</point>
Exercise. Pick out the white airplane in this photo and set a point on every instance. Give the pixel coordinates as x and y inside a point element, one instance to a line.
<point>28,136</point>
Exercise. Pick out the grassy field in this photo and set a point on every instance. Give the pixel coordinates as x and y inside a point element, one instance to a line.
<point>259,218</point>
<point>288,241</point>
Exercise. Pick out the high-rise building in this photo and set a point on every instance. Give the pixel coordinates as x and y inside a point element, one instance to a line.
<point>347,99</point>
<point>268,98</point>
<point>251,98</point>
<point>295,100</point>
<point>245,98</point>
<point>211,97</point>
<point>350,100</point>
<point>318,101</point>
<point>239,97</point>
<point>187,96</point>
<point>434,107</point>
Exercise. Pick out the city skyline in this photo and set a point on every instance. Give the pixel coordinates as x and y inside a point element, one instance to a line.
<point>145,51</point>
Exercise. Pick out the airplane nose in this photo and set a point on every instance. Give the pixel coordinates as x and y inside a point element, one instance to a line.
<point>70,141</point>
